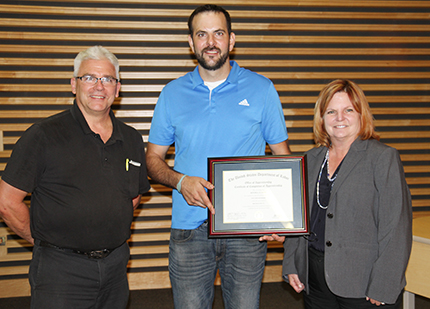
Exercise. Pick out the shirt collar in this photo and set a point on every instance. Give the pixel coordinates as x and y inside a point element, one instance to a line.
<point>232,76</point>
<point>79,117</point>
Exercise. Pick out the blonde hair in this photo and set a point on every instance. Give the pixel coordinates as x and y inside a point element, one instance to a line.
<point>359,102</point>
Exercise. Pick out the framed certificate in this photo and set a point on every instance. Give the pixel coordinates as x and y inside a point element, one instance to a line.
<point>255,196</point>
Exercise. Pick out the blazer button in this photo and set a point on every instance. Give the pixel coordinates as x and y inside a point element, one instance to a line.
<point>328,243</point>
<point>330,215</point>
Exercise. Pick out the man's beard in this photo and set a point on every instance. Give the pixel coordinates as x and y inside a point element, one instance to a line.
<point>217,65</point>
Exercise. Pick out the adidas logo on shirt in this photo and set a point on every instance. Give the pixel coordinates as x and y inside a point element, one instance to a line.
<point>244,103</point>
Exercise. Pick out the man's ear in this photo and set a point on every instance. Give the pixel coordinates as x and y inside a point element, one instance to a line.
<point>232,41</point>
<point>73,84</point>
<point>190,42</point>
<point>118,86</point>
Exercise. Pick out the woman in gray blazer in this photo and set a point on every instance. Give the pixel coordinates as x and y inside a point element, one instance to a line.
<point>361,214</point>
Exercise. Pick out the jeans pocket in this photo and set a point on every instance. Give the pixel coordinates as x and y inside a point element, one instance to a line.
<point>178,235</point>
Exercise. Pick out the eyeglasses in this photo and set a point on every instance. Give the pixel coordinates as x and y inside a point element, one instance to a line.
<point>92,80</point>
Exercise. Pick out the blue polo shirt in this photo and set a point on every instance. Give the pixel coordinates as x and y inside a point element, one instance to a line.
<point>237,118</point>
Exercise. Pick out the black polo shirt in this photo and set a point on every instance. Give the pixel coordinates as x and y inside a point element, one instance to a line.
<point>82,188</point>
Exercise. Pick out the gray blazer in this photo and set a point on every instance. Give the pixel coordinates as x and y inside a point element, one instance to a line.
<point>368,223</point>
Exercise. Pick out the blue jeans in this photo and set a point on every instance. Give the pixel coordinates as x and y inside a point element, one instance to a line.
<point>64,280</point>
<point>193,263</point>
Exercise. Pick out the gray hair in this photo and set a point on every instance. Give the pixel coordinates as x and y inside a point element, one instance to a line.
<point>97,53</point>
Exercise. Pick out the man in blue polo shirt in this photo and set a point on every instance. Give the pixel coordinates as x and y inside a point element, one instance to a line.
<point>86,173</point>
<point>218,110</point>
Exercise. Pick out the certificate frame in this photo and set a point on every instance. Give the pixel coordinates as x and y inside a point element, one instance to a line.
<point>258,195</point>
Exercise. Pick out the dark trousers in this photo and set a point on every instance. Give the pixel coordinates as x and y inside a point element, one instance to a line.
<point>320,296</point>
<point>64,280</point>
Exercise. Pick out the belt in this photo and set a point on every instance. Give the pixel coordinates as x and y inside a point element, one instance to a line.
<point>93,254</point>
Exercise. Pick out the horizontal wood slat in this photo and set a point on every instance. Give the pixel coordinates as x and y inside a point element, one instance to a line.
<point>150,101</point>
<point>144,113</point>
<point>142,25</point>
<point>126,50</point>
<point>158,88</point>
<point>126,76</point>
<point>173,75</point>
<point>277,3</point>
<point>254,63</point>
<point>268,39</point>
<point>236,14</point>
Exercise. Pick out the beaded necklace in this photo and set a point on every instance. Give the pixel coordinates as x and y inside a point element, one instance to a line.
<point>331,180</point>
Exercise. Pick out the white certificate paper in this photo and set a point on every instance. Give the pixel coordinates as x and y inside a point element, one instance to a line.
<point>253,196</point>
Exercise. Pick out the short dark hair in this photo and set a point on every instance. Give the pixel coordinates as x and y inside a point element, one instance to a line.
<point>209,8</point>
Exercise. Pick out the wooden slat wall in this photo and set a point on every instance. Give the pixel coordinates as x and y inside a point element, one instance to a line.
<point>301,45</point>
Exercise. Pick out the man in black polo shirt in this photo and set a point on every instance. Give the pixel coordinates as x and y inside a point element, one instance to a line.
<point>86,173</point>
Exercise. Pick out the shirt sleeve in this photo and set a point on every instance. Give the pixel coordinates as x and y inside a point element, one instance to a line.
<point>162,132</point>
<point>26,164</point>
<point>273,121</point>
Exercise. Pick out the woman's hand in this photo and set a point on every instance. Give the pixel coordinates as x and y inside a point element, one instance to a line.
<point>295,283</point>
<point>375,302</point>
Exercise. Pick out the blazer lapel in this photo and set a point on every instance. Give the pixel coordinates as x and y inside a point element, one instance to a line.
<point>354,155</point>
